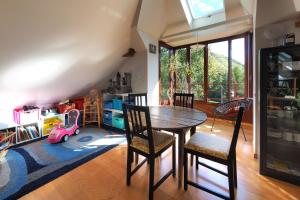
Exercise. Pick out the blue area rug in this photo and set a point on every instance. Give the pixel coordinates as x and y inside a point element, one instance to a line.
<point>30,166</point>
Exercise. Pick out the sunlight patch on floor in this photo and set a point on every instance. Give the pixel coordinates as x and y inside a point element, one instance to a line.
<point>207,126</point>
<point>104,141</point>
<point>277,187</point>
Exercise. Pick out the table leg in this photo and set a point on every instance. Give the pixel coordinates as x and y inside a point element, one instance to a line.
<point>181,136</point>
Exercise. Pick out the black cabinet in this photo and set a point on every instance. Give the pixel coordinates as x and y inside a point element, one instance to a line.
<point>280,113</point>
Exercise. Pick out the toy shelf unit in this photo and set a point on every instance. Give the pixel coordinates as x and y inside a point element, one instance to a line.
<point>49,122</point>
<point>8,137</point>
<point>28,124</point>
<point>28,132</point>
<point>13,134</point>
<point>112,110</point>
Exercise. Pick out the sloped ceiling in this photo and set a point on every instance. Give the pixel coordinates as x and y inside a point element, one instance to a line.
<point>50,50</point>
<point>152,18</point>
<point>272,11</point>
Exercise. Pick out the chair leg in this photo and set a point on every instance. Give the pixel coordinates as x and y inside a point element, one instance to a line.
<point>197,165</point>
<point>129,161</point>
<point>130,157</point>
<point>233,123</point>
<point>185,171</point>
<point>212,126</point>
<point>136,158</point>
<point>151,177</point>
<point>231,180</point>
<point>193,131</point>
<point>235,171</point>
<point>174,158</point>
<point>243,133</point>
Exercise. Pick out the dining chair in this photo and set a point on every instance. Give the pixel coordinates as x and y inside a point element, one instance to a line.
<point>217,149</point>
<point>138,99</point>
<point>229,110</point>
<point>185,100</point>
<point>144,141</point>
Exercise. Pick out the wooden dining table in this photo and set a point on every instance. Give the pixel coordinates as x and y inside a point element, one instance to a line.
<point>178,120</point>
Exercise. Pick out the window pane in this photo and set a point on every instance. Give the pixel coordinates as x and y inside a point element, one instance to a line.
<point>197,66</point>
<point>237,88</point>
<point>217,72</point>
<point>181,84</point>
<point>202,8</point>
<point>164,73</point>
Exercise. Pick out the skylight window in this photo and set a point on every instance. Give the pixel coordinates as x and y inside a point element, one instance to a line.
<point>205,8</point>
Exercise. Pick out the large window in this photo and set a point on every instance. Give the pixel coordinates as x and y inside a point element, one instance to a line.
<point>164,72</point>
<point>218,72</point>
<point>215,71</point>
<point>197,69</point>
<point>181,85</point>
<point>237,88</point>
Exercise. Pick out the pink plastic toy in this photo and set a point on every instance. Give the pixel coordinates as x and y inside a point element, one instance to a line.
<point>62,133</point>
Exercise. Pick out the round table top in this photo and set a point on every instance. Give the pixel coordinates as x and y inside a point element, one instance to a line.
<point>175,117</point>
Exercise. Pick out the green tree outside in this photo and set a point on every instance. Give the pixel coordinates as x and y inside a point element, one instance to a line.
<point>217,75</point>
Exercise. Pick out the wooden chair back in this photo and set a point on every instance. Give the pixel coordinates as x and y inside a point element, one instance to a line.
<point>183,100</point>
<point>138,124</point>
<point>138,99</point>
<point>236,130</point>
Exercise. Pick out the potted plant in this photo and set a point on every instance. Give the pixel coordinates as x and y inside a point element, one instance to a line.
<point>189,73</point>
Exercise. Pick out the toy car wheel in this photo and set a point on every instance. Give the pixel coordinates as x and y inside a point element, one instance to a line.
<point>65,138</point>
<point>76,132</point>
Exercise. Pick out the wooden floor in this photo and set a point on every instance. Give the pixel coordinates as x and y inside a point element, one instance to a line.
<point>104,177</point>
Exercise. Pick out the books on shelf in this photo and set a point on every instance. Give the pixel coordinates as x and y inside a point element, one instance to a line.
<point>27,133</point>
<point>7,136</point>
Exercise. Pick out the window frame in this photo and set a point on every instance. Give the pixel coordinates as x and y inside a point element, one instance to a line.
<point>207,15</point>
<point>248,82</point>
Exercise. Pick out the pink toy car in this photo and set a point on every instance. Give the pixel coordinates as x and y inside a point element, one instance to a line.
<point>62,133</point>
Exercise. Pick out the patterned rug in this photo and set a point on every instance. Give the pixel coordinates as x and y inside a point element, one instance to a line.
<point>28,167</point>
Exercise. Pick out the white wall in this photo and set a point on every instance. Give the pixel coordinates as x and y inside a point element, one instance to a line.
<point>137,66</point>
<point>52,49</point>
<point>151,23</point>
<point>152,70</point>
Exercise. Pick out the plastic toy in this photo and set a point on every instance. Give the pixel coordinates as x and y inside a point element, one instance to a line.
<point>62,133</point>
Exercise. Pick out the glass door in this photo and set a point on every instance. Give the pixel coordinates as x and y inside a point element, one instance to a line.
<point>281,112</point>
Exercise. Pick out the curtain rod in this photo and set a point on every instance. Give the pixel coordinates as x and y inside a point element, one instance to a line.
<point>235,20</point>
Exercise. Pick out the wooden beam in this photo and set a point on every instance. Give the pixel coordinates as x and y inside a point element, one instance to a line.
<point>297,24</point>
<point>231,21</point>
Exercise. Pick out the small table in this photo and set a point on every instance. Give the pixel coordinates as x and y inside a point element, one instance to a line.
<point>178,120</point>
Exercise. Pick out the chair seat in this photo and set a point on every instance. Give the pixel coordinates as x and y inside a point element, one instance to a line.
<point>208,144</point>
<point>160,141</point>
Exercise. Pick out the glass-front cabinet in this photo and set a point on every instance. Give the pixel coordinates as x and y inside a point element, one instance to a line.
<point>280,113</point>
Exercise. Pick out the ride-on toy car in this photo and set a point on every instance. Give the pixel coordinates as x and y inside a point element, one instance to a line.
<point>62,133</point>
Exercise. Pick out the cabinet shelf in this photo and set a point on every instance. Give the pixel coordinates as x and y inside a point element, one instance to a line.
<point>113,110</point>
<point>113,118</point>
<point>283,143</point>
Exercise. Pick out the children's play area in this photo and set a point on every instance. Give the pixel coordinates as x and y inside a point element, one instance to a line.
<point>43,143</point>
